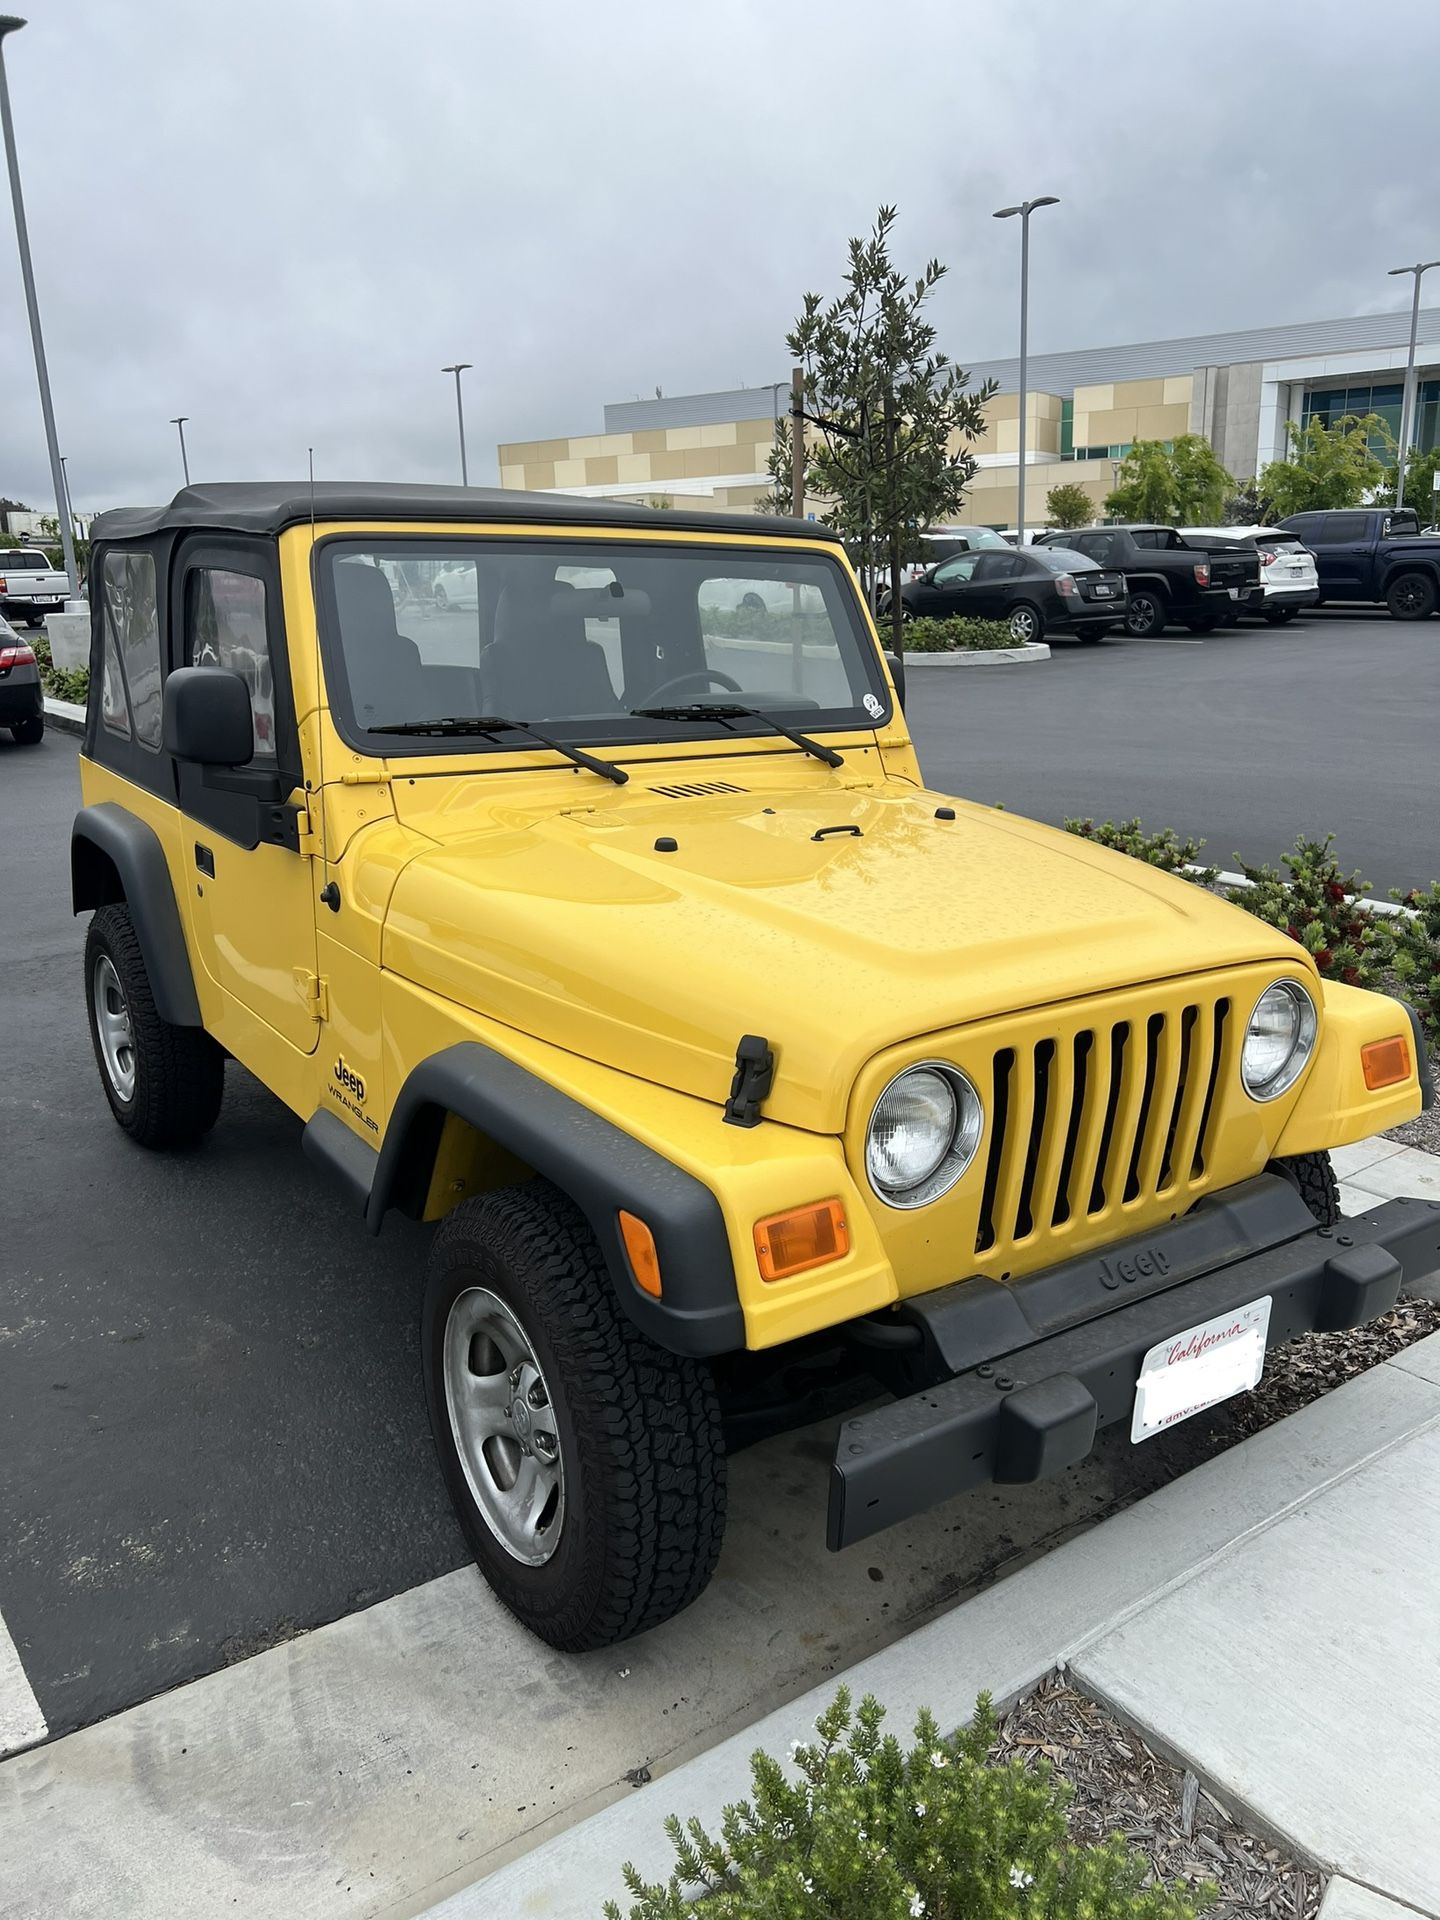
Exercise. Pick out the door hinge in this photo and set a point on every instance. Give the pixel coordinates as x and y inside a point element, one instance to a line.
<point>314,993</point>
<point>309,839</point>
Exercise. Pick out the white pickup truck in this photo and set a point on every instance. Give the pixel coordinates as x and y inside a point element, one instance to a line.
<point>29,586</point>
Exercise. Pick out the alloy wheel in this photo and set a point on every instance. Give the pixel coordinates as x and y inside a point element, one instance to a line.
<point>1022,626</point>
<point>113,1028</point>
<point>504,1426</point>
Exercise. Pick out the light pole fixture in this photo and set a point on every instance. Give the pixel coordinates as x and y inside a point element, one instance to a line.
<point>460,366</point>
<point>1407,399</point>
<point>179,425</point>
<point>1025,209</point>
<point>11,23</point>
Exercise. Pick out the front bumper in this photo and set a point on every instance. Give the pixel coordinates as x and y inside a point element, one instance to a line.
<point>1027,1373</point>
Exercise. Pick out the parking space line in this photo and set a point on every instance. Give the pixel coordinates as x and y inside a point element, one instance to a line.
<point>21,1722</point>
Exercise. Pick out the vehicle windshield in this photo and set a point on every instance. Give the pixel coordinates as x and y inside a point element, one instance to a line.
<point>962,539</point>
<point>583,634</point>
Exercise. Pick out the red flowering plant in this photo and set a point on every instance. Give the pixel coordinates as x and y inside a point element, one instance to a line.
<point>1325,910</point>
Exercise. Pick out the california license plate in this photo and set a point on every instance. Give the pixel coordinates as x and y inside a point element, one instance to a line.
<point>1102,593</point>
<point>1234,593</point>
<point>1200,1367</point>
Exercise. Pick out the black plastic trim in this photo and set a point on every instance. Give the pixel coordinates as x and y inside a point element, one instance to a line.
<point>1422,1059</point>
<point>145,889</point>
<point>331,1145</point>
<point>601,1168</point>
<point>1026,1413</point>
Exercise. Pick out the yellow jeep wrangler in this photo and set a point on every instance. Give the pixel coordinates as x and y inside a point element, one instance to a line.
<point>567,867</point>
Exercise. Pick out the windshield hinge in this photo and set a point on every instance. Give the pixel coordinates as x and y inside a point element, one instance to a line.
<point>314,993</point>
<point>365,777</point>
<point>754,1073</point>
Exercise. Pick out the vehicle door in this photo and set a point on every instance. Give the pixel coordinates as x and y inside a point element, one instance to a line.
<point>996,585</point>
<point>253,905</point>
<point>946,591</point>
<point>1344,549</point>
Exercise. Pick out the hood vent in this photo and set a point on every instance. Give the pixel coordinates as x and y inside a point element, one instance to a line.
<point>698,787</point>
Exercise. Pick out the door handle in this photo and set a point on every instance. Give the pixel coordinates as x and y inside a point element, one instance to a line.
<point>205,860</point>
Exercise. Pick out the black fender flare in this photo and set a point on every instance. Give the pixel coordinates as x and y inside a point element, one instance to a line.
<point>597,1164</point>
<point>106,840</point>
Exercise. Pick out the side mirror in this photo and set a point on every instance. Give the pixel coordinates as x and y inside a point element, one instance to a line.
<point>207,717</point>
<point>897,675</point>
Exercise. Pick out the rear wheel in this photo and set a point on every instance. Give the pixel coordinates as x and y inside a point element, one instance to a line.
<point>1280,616</point>
<point>29,733</point>
<point>34,619</point>
<point>586,1465</point>
<point>1412,597</point>
<point>1203,623</point>
<point>1146,615</point>
<point>1027,624</point>
<point>1313,1178</point>
<point>164,1083</point>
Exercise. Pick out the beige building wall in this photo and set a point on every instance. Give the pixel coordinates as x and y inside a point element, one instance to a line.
<point>642,460</point>
<point>1123,411</point>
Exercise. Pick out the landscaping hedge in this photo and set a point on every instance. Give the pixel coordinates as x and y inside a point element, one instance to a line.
<point>953,636</point>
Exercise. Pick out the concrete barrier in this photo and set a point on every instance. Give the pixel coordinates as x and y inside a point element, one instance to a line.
<point>69,637</point>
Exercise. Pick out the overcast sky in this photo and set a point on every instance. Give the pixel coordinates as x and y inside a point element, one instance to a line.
<point>283,218</point>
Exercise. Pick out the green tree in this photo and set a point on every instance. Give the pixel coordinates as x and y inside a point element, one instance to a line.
<point>1069,505</point>
<point>54,552</point>
<point>1181,484</point>
<point>1334,466</point>
<point>1420,494</point>
<point>888,407</point>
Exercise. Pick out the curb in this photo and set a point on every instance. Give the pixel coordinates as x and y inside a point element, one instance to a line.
<point>1031,654</point>
<point>64,715</point>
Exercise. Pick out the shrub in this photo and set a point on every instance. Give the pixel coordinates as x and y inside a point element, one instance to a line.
<point>1158,849</point>
<point>1324,909</point>
<point>872,1832</point>
<point>950,636</point>
<point>1416,964</point>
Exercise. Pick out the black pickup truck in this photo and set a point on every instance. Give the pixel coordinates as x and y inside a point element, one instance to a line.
<point>1373,554</point>
<point>1167,579</point>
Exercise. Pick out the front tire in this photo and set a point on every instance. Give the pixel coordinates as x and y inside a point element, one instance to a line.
<point>29,733</point>
<point>1313,1178</point>
<point>1411,597</point>
<point>586,1465</point>
<point>1145,616</point>
<point>164,1083</point>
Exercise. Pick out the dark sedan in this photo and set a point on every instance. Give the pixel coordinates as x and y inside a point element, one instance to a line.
<point>1035,590</point>
<point>22,702</point>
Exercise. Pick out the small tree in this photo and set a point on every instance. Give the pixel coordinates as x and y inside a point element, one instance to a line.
<point>1420,494</point>
<point>1069,505</point>
<point>889,408</point>
<point>1182,484</point>
<point>1333,466</point>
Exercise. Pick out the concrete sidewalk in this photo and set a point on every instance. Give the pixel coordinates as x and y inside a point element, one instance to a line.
<point>1268,1620</point>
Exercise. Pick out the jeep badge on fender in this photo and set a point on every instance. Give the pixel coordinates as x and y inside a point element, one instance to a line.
<point>702,1031</point>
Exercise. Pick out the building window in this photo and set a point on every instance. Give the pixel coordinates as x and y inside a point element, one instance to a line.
<point>1067,429</point>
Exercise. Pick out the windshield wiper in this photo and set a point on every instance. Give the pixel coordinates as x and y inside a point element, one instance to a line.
<point>488,723</point>
<point>728,710</point>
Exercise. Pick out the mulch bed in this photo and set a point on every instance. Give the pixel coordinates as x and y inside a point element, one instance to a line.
<point>1162,1811</point>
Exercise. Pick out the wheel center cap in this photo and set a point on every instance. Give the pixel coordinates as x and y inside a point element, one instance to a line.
<point>520,1420</point>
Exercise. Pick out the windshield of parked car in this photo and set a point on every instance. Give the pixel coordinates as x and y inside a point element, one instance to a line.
<point>581,635</point>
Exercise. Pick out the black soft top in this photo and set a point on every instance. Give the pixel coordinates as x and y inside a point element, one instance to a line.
<point>268,506</point>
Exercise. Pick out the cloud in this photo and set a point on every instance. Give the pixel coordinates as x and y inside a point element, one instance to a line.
<point>283,220</point>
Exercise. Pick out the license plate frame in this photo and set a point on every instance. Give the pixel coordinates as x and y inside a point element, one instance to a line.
<point>1199,1367</point>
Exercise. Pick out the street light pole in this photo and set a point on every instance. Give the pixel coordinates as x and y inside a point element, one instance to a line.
<point>460,366</point>
<point>10,23</point>
<point>1407,398</point>
<point>1025,209</point>
<point>179,425</point>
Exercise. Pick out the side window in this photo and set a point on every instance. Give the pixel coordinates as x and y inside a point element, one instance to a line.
<point>1338,528</point>
<point>132,641</point>
<point>225,627</point>
<point>998,566</point>
<point>956,572</point>
<point>1146,537</point>
<point>1095,546</point>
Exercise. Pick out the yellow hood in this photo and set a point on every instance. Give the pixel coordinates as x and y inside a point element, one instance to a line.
<point>578,927</point>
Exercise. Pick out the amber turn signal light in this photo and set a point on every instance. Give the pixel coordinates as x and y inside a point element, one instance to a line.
<point>1386,1062</point>
<point>804,1237</point>
<point>640,1249</point>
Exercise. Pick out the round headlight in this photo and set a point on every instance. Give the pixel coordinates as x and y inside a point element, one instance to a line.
<point>1278,1040</point>
<point>923,1134</point>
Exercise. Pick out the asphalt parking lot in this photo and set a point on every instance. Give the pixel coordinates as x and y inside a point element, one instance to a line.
<point>212,1432</point>
<point>1245,739</point>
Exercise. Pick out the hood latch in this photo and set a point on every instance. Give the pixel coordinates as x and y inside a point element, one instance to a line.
<point>754,1074</point>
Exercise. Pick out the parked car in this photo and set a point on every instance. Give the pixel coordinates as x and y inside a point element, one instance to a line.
<point>1372,554</point>
<point>22,700</point>
<point>29,586</point>
<point>941,543</point>
<point>1166,579</point>
<point>1037,591</point>
<point>708,1039</point>
<point>1287,567</point>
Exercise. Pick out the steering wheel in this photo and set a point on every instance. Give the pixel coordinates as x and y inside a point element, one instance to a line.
<point>684,679</point>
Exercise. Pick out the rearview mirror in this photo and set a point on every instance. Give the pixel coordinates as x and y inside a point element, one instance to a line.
<point>207,717</point>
